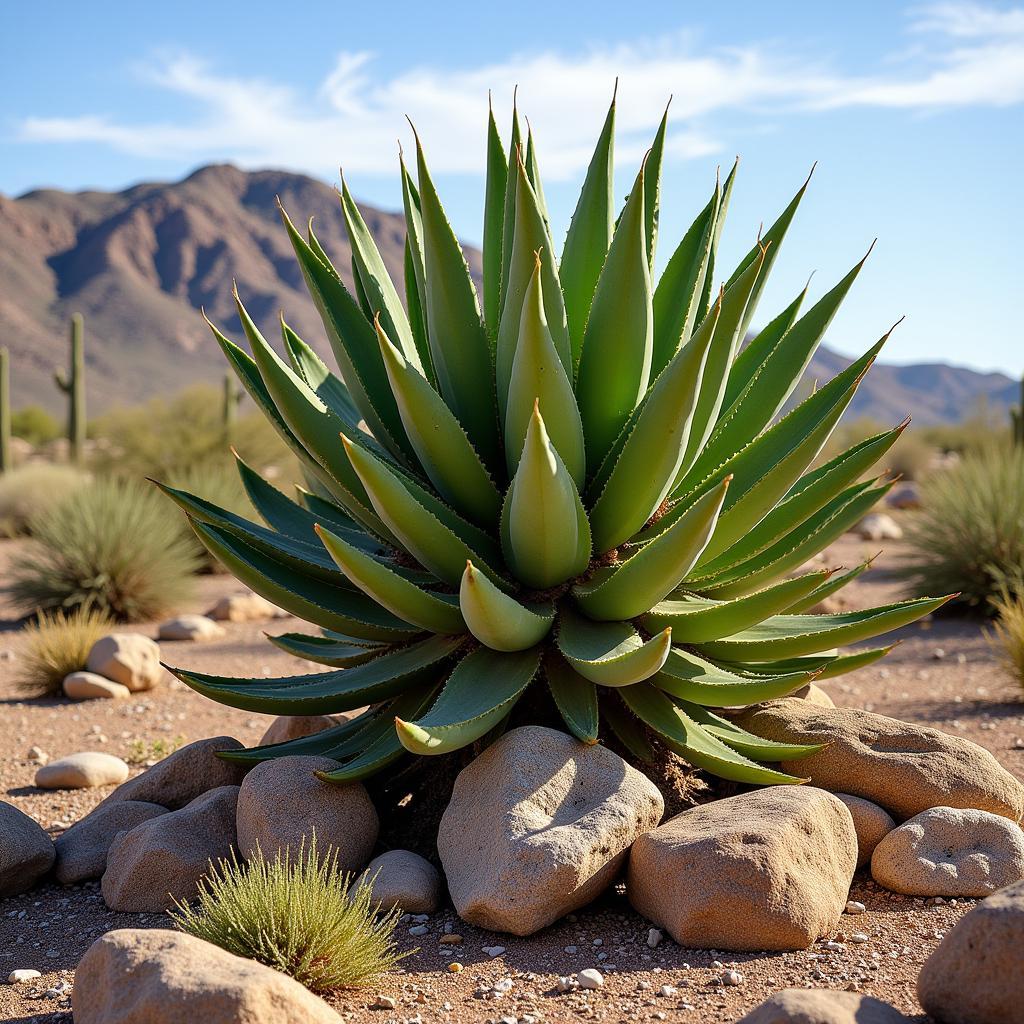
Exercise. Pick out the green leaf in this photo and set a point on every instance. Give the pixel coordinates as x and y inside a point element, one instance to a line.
<point>328,650</point>
<point>533,173</point>
<point>509,217</point>
<point>829,586</point>
<point>575,698</point>
<point>652,189</point>
<point>746,742</point>
<point>630,588</point>
<point>315,374</point>
<point>824,666</point>
<point>538,375</point>
<point>438,613</point>
<point>691,678</point>
<point>615,364</point>
<point>494,219</point>
<point>629,730</point>
<point>589,236</point>
<point>610,653</point>
<point>709,275</point>
<point>477,696</point>
<point>415,274</point>
<point>497,620</point>
<point>544,530</point>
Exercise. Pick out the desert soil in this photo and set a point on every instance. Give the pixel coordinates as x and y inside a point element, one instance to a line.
<point>943,674</point>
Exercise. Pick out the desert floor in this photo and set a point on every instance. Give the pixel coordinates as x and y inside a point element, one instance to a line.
<point>943,674</point>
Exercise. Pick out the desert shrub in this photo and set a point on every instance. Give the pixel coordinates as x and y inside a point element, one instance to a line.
<point>35,425</point>
<point>911,456</point>
<point>114,546</point>
<point>29,490</point>
<point>969,533</point>
<point>302,917</point>
<point>56,645</point>
<point>1008,633</point>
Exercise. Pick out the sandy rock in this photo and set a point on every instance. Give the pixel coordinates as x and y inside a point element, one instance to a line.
<point>539,825</point>
<point>38,755</point>
<point>948,851</point>
<point>902,767</point>
<point>184,775</point>
<point>82,849</point>
<point>189,627</point>
<point>282,802</point>
<point>975,976</point>
<point>879,526</point>
<point>26,851</point>
<point>84,770</point>
<point>871,823</point>
<point>247,607</point>
<point>821,1006</point>
<point>91,686</point>
<point>131,659</point>
<point>907,495</point>
<point>294,727</point>
<point>179,979</point>
<point>814,695</point>
<point>404,879</point>
<point>166,856</point>
<point>768,869</point>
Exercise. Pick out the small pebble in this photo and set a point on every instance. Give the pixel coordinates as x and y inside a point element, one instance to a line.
<point>854,907</point>
<point>732,978</point>
<point>590,977</point>
<point>565,984</point>
<point>419,929</point>
<point>859,937</point>
<point>450,940</point>
<point>24,974</point>
<point>493,951</point>
<point>654,936</point>
<point>384,1003</point>
<point>454,967</point>
<point>503,985</point>
<point>38,754</point>
<point>667,990</point>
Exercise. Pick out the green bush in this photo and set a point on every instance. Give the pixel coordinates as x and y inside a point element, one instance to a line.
<point>35,425</point>
<point>1008,634</point>
<point>302,918</point>
<point>56,645</point>
<point>113,546</point>
<point>31,489</point>
<point>968,536</point>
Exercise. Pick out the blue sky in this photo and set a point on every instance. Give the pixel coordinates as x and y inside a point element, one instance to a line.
<point>915,113</point>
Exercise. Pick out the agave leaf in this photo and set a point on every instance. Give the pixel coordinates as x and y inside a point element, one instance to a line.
<point>691,741</point>
<point>533,173</point>
<point>459,348</point>
<point>323,510</point>
<point>610,653</point>
<point>629,730</point>
<point>478,695</point>
<point>791,636</point>
<point>615,364</point>
<point>589,236</point>
<point>538,375</point>
<point>438,613</point>
<point>709,276</point>
<point>494,220</point>
<point>327,650</point>
<point>415,274</point>
<point>628,589</point>
<point>443,448</point>
<point>575,698</point>
<point>827,588</point>
<point>497,620</point>
<point>652,189</point>
<point>746,742</point>
<point>315,374</point>
<point>688,677</point>
<point>329,692</point>
<point>544,530</point>
<point>822,666</point>
<point>508,220</point>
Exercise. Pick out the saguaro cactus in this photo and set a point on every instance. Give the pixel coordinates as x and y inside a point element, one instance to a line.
<point>5,410</point>
<point>229,406</point>
<point>1017,417</point>
<point>73,385</point>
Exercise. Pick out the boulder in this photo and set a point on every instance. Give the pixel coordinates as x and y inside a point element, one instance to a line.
<point>822,1006</point>
<point>158,976</point>
<point>131,659</point>
<point>975,976</point>
<point>539,825</point>
<point>282,803</point>
<point>162,859</point>
<point>90,686</point>
<point>26,851</point>
<point>947,851</point>
<point>879,526</point>
<point>902,767</point>
<point>765,870</point>
<point>84,770</point>
<point>294,727</point>
<point>871,823</point>
<point>82,849</point>
<point>189,627</point>
<point>182,776</point>
<point>247,607</point>
<point>814,694</point>
<point>401,878</point>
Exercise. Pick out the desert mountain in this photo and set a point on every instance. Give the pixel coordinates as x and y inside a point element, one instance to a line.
<point>139,264</point>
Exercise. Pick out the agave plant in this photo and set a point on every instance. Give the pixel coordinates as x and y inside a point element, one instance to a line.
<point>588,486</point>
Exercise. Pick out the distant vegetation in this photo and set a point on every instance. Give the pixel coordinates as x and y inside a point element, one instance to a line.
<point>54,646</point>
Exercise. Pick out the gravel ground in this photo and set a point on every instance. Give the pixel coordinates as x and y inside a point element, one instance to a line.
<point>943,675</point>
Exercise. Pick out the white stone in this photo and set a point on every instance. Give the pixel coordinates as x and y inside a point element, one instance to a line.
<point>84,770</point>
<point>23,974</point>
<point>131,659</point>
<point>879,526</point>
<point>654,936</point>
<point>246,607</point>
<point>190,627</point>
<point>92,686</point>
<point>590,977</point>
<point>853,907</point>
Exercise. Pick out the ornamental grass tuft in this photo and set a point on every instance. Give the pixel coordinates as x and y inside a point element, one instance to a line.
<point>54,646</point>
<point>1007,634</point>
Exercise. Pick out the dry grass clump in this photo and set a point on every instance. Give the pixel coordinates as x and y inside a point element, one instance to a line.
<point>1008,634</point>
<point>302,917</point>
<point>56,645</point>
<point>28,490</point>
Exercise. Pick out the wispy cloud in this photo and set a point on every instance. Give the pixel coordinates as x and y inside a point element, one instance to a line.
<point>966,54</point>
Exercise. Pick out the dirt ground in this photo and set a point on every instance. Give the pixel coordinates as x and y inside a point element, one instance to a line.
<point>942,675</point>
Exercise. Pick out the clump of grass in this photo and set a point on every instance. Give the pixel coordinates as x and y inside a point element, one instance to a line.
<point>969,533</point>
<point>114,546</point>
<point>27,490</point>
<point>1008,634</point>
<point>141,752</point>
<point>56,645</point>
<point>301,917</point>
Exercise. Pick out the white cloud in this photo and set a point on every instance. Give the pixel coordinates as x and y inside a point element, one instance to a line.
<point>968,54</point>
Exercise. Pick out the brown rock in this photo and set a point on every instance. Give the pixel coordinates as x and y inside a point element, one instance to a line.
<point>82,849</point>
<point>282,802</point>
<point>401,878</point>
<point>539,825</point>
<point>162,859</point>
<point>248,607</point>
<point>814,694</point>
<point>131,659</point>
<point>821,1006</point>
<point>157,976</point>
<point>768,869</point>
<point>902,767</point>
<point>294,727</point>
<point>871,823</point>
<point>975,976</point>
<point>194,628</point>
<point>26,851</point>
